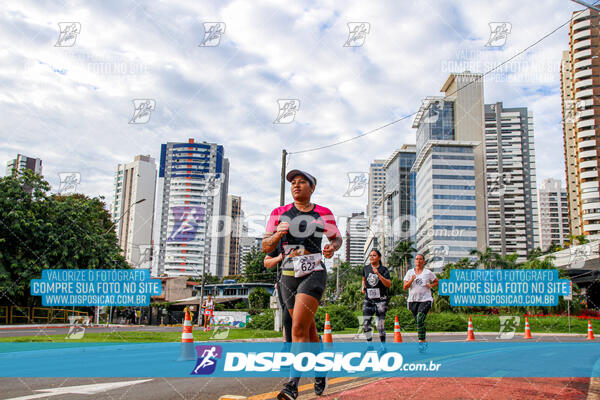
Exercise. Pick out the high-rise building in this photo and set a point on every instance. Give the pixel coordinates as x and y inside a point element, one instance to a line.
<point>193,180</point>
<point>554,213</point>
<point>234,233</point>
<point>356,234</point>
<point>580,68</point>
<point>513,222</point>
<point>400,197</point>
<point>376,188</point>
<point>133,209</point>
<point>247,245</point>
<point>450,170</point>
<point>17,165</point>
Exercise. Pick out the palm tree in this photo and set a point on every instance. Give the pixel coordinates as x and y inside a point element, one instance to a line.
<point>401,256</point>
<point>485,259</point>
<point>581,239</point>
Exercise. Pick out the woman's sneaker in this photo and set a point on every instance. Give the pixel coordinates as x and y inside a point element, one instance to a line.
<point>289,392</point>
<point>320,385</point>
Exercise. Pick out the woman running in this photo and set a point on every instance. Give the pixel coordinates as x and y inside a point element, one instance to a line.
<point>299,227</point>
<point>419,282</point>
<point>375,284</point>
<point>209,308</point>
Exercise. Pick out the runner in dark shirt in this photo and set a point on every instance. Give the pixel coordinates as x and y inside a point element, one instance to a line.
<point>375,284</point>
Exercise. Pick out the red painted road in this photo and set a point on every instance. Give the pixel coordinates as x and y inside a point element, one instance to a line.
<point>469,388</point>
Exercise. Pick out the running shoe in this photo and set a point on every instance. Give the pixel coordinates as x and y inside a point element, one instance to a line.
<point>320,385</point>
<point>289,392</point>
<point>423,347</point>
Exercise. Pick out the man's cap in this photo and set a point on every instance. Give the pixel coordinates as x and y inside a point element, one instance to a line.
<point>295,172</point>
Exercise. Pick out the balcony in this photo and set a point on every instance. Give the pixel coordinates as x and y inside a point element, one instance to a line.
<point>586,143</point>
<point>588,164</point>
<point>589,174</point>
<point>586,133</point>
<point>581,25</point>
<point>582,34</point>
<point>584,63</point>
<point>583,83</point>
<point>583,73</point>
<point>587,153</point>
<point>584,93</point>
<point>583,44</point>
<point>585,123</point>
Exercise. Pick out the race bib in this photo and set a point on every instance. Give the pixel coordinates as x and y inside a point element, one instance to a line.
<point>304,265</point>
<point>373,293</point>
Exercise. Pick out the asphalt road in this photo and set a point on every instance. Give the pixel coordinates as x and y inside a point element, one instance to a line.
<point>265,388</point>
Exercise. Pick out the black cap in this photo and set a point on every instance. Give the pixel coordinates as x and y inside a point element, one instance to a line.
<point>295,172</point>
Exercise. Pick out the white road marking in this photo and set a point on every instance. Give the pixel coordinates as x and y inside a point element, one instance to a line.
<point>82,389</point>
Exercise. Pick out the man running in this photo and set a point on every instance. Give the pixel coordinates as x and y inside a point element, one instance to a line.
<point>419,281</point>
<point>375,284</point>
<point>299,227</point>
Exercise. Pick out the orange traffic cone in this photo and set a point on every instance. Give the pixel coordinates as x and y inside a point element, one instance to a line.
<point>590,331</point>
<point>397,334</point>
<point>186,351</point>
<point>470,333</point>
<point>527,330</point>
<point>327,338</point>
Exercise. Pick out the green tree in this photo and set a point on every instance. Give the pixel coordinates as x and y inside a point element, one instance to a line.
<point>401,257</point>
<point>255,270</point>
<point>486,259</point>
<point>259,298</point>
<point>43,231</point>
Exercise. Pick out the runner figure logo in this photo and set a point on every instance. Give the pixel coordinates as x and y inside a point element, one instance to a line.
<point>142,108</point>
<point>357,34</point>
<point>212,34</point>
<point>287,110</point>
<point>357,184</point>
<point>68,182</point>
<point>207,359</point>
<point>508,326</point>
<point>499,32</point>
<point>187,222</point>
<point>579,255</point>
<point>373,279</point>
<point>67,35</point>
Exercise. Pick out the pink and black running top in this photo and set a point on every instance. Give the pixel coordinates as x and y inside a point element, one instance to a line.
<point>306,228</point>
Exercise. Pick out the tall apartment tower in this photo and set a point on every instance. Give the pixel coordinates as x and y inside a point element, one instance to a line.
<point>376,188</point>
<point>193,180</point>
<point>400,197</point>
<point>356,235</point>
<point>22,162</point>
<point>234,233</point>
<point>133,209</point>
<point>513,221</point>
<point>450,171</point>
<point>554,213</point>
<point>580,70</point>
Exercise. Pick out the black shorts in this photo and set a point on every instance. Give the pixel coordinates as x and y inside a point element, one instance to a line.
<point>312,284</point>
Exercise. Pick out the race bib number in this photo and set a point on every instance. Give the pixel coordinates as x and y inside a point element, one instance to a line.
<point>373,293</point>
<point>304,265</point>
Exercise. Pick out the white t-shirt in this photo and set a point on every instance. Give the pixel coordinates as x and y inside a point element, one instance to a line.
<point>419,291</point>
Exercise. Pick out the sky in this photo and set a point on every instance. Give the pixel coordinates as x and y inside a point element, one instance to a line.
<point>69,100</point>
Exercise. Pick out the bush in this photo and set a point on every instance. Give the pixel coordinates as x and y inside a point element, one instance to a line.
<point>241,305</point>
<point>340,317</point>
<point>259,298</point>
<point>264,321</point>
